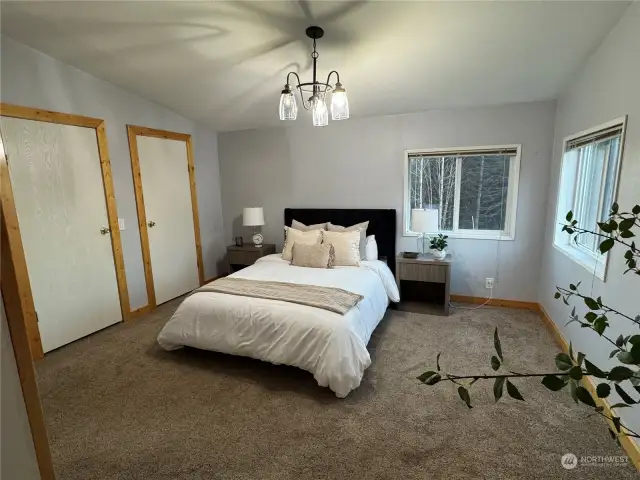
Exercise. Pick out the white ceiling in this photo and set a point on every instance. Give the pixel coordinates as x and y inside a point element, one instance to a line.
<point>224,63</point>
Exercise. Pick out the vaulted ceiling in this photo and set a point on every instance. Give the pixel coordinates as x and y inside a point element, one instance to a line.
<point>224,63</point>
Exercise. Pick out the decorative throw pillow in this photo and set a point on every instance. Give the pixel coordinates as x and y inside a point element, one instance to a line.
<point>313,256</point>
<point>358,226</point>
<point>304,228</point>
<point>371,248</point>
<point>312,237</point>
<point>346,246</point>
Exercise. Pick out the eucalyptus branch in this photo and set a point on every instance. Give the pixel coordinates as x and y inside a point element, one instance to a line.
<point>627,433</point>
<point>603,307</point>
<point>579,231</point>
<point>611,341</point>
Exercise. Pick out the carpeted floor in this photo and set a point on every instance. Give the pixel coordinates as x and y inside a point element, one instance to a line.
<point>118,406</point>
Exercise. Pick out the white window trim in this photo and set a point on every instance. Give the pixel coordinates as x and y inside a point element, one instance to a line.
<point>597,264</point>
<point>512,196</point>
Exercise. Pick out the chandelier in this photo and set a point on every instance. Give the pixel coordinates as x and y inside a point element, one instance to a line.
<point>318,91</point>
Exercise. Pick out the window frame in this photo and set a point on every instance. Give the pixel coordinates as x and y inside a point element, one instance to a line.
<point>566,199</point>
<point>512,194</point>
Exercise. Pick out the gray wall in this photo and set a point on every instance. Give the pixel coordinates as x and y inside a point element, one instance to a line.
<point>17,454</point>
<point>31,78</point>
<point>606,88</point>
<point>358,163</point>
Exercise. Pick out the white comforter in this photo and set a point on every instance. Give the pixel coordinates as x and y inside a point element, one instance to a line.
<point>329,345</point>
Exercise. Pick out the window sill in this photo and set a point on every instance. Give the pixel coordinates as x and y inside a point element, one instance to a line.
<point>596,265</point>
<point>481,236</point>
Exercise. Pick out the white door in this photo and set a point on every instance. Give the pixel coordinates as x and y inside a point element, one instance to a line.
<point>167,201</point>
<point>59,195</point>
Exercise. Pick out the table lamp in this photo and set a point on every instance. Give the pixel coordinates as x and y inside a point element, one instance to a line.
<point>254,217</point>
<point>424,221</point>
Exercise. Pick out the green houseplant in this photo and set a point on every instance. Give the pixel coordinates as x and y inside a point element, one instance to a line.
<point>438,245</point>
<point>572,367</point>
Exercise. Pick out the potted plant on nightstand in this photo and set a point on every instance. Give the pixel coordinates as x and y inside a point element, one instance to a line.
<point>438,245</point>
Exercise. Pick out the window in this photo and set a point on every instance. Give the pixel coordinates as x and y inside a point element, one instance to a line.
<point>474,189</point>
<point>588,181</point>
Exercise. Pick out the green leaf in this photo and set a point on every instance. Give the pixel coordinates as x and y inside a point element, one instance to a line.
<point>605,227</point>
<point>464,395</point>
<point>626,358</point>
<point>513,391</point>
<point>426,376</point>
<point>635,353</point>
<point>498,387</point>
<point>563,361</point>
<point>571,351</point>
<point>619,341</point>
<point>576,373</point>
<point>613,353</point>
<point>591,303</point>
<point>556,295</point>
<point>438,361</point>
<point>614,208</point>
<point>620,373</point>
<point>620,405</point>
<point>600,325</point>
<point>627,234</point>
<point>624,395</point>
<point>580,357</point>
<point>495,363</point>
<point>590,316</point>
<point>616,423</point>
<point>593,370</point>
<point>626,224</point>
<point>553,383</point>
<point>572,286</point>
<point>603,390</point>
<point>606,245</point>
<point>585,397</point>
<point>636,210</point>
<point>497,345</point>
<point>574,385</point>
<point>569,216</point>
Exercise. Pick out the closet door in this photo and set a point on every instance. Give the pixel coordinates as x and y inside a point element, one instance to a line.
<point>59,195</point>
<point>169,213</point>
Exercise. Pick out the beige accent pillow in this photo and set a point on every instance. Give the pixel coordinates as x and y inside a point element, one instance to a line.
<point>304,228</point>
<point>346,245</point>
<point>312,237</point>
<point>313,256</point>
<point>358,226</point>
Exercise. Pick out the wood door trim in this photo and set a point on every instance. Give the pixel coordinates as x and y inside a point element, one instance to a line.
<point>28,113</point>
<point>133,131</point>
<point>21,319</point>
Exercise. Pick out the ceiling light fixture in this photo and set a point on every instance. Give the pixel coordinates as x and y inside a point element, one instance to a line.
<point>316,102</point>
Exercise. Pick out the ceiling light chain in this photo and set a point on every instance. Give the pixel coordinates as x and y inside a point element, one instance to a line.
<point>316,103</point>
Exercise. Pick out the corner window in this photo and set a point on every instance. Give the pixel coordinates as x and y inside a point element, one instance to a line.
<point>588,183</point>
<point>474,189</point>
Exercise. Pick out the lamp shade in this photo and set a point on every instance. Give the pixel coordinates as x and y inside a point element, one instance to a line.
<point>424,221</point>
<point>252,217</point>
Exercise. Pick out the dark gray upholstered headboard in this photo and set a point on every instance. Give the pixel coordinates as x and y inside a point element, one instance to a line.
<point>382,224</point>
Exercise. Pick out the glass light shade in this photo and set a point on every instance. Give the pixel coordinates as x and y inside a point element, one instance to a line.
<point>320,112</point>
<point>339,105</point>
<point>288,108</point>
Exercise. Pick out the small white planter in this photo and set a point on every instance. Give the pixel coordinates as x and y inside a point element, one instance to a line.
<point>439,254</point>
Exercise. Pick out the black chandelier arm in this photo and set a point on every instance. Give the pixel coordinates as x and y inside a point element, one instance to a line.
<point>305,104</point>
<point>297,76</point>
<point>331,73</point>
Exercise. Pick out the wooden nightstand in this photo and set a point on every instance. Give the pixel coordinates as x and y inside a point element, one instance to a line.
<point>424,284</point>
<point>240,257</point>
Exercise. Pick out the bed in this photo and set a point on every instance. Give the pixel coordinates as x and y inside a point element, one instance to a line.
<point>329,345</point>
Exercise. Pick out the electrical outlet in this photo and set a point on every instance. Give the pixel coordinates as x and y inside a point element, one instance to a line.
<point>489,282</point>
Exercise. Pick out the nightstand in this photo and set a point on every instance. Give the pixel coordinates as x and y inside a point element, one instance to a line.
<point>424,284</point>
<point>240,257</point>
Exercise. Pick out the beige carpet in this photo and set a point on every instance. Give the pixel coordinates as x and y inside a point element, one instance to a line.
<point>118,406</point>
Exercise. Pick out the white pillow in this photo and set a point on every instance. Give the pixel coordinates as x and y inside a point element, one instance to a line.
<point>346,246</point>
<point>358,226</point>
<point>371,249</point>
<point>312,237</point>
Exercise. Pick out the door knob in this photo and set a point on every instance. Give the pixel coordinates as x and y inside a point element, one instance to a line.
<point>104,230</point>
<point>151,224</point>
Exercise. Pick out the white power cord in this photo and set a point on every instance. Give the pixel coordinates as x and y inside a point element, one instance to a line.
<point>477,307</point>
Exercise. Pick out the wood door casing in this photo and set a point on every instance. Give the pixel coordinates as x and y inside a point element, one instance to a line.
<point>14,240</point>
<point>135,133</point>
